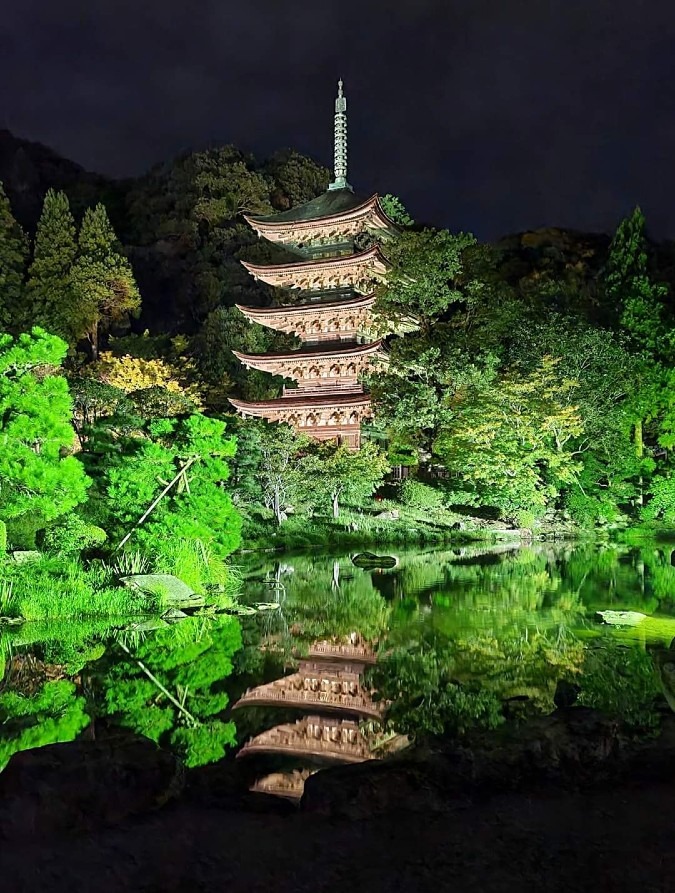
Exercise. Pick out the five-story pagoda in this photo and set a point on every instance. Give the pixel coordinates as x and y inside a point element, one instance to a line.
<point>335,239</point>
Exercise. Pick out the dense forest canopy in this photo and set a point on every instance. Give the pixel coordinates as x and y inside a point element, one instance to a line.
<point>530,378</point>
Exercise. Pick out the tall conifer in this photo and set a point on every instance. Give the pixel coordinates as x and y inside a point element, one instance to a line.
<point>49,289</point>
<point>106,291</point>
<point>628,283</point>
<point>13,256</point>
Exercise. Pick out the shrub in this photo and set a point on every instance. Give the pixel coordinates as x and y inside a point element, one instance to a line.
<point>422,496</point>
<point>72,536</point>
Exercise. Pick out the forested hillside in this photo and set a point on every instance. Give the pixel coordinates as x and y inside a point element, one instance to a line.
<point>536,383</point>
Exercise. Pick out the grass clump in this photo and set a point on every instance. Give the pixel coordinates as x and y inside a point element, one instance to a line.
<point>52,588</point>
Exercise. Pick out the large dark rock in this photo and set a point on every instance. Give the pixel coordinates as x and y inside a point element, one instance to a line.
<point>82,785</point>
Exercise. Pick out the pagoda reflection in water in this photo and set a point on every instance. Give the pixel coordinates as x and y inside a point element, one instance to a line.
<point>329,683</point>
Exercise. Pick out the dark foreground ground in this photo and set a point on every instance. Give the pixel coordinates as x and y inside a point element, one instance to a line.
<point>622,840</point>
<point>569,811</point>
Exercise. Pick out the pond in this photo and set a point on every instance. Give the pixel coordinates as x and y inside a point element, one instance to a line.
<point>328,662</point>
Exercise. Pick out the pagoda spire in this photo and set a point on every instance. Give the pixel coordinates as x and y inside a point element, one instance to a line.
<point>340,147</point>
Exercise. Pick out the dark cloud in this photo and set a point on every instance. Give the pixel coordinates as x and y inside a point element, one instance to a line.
<point>491,115</point>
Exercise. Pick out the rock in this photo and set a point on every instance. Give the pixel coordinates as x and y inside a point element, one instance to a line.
<point>368,559</point>
<point>25,556</point>
<point>622,618</point>
<point>566,693</point>
<point>388,515</point>
<point>172,591</point>
<point>77,787</point>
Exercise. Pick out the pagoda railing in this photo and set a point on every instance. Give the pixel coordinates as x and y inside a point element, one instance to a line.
<point>338,249</point>
<point>346,652</point>
<point>332,386</point>
<point>339,293</point>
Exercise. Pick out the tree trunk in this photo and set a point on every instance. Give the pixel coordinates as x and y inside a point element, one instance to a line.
<point>277,505</point>
<point>336,505</point>
<point>639,452</point>
<point>93,340</point>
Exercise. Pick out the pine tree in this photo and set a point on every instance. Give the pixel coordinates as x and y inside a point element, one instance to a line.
<point>13,255</point>
<point>105,288</point>
<point>627,282</point>
<point>49,290</point>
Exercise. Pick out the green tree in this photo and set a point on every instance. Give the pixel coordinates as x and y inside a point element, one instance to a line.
<point>512,440</point>
<point>295,178</point>
<point>132,473</point>
<point>49,288</point>
<point>395,210</point>
<point>13,255</point>
<point>334,474</point>
<point>428,276</point>
<point>225,329</point>
<point>279,451</point>
<point>628,284</point>
<point>39,479</point>
<point>105,289</point>
<point>607,374</point>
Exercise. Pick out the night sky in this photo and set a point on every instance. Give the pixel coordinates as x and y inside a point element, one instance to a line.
<point>485,115</point>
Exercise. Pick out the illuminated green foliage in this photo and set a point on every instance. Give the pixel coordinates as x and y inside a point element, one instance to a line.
<point>190,661</point>
<point>39,479</point>
<point>52,715</point>
<point>330,475</point>
<point>132,474</point>
<point>510,440</point>
<point>628,284</point>
<point>428,276</point>
<point>420,495</point>
<point>394,209</point>
<point>71,535</point>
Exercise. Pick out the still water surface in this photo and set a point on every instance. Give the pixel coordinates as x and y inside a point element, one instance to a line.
<point>525,627</point>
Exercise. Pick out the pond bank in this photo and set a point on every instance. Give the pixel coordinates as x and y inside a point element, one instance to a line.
<point>576,805</point>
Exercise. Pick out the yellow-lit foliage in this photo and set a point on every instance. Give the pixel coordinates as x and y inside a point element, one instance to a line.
<point>137,373</point>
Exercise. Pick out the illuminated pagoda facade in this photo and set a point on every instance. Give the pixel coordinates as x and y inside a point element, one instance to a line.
<point>336,266</point>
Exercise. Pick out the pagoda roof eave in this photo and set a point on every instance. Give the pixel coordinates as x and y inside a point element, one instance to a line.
<point>330,205</point>
<point>358,350</point>
<point>261,406</point>
<point>260,270</point>
<point>320,212</point>
<point>312,306</point>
